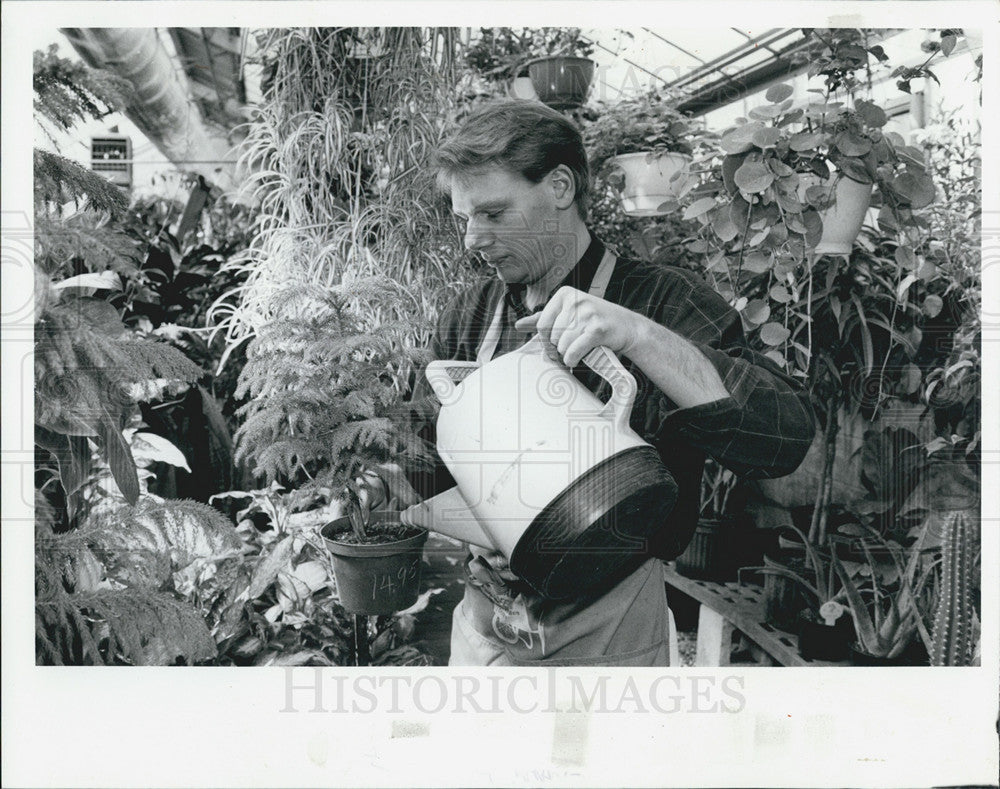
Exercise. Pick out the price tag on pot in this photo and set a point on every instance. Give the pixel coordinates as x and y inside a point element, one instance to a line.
<point>831,612</point>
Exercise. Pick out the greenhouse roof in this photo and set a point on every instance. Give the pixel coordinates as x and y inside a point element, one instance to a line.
<point>710,66</point>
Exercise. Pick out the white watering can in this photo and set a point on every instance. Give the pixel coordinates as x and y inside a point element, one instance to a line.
<point>545,472</point>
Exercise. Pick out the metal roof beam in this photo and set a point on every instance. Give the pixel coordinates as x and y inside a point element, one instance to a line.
<point>675,46</point>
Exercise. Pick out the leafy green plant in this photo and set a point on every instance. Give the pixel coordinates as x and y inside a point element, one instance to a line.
<point>324,398</point>
<point>820,580</point>
<point>644,123</point>
<point>281,607</point>
<point>100,596</point>
<point>500,54</point>
<point>339,149</point>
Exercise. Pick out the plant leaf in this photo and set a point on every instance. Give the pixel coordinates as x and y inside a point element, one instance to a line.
<point>699,207</point>
<point>119,456</point>
<point>773,333</point>
<point>754,176</point>
<point>778,93</point>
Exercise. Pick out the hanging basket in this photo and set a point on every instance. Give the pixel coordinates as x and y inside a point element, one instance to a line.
<point>841,221</point>
<point>378,578</point>
<point>561,82</point>
<point>653,182</point>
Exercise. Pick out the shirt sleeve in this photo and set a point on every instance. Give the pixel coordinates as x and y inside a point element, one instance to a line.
<point>765,426</point>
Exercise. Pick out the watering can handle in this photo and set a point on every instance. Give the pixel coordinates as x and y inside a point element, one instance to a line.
<point>603,361</point>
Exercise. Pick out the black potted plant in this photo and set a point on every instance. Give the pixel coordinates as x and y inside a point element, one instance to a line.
<point>325,408</point>
<point>718,546</point>
<point>825,630</point>
<point>644,147</point>
<point>561,71</point>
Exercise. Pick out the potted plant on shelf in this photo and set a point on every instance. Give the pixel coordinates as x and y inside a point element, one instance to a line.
<point>885,607</point>
<point>643,146</point>
<point>325,408</point>
<point>824,629</point>
<point>714,552</point>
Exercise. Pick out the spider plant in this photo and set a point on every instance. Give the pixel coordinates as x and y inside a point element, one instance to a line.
<point>337,157</point>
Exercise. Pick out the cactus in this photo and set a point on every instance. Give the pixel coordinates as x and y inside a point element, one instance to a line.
<point>954,620</point>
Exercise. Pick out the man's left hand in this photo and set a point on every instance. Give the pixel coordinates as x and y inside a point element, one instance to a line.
<point>573,323</point>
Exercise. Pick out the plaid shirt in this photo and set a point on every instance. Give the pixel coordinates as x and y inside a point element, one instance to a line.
<point>762,429</point>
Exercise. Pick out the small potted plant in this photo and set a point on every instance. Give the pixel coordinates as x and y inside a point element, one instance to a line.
<point>795,178</point>
<point>562,71</point>
<point>824,629</point>
<point>714,552</point>
<point>884,609</point>
<point>500,56</point>
<point>783,597</point>
<point>644,147</point>
<point>324,409</point>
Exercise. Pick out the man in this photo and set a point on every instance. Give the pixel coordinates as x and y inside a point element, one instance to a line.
<point>518,178</point>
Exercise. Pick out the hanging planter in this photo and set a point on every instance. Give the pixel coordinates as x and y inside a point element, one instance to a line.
<point>843,219</point>
<point>562,81</point>
<point>376,577</point>
<point>651,183</point>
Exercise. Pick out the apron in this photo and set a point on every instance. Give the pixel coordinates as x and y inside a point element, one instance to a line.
<point>500,622</point>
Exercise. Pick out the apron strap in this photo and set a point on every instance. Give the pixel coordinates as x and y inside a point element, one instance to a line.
<point>598,287</point>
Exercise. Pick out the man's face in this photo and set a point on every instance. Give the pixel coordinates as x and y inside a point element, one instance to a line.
<point>513,223</point>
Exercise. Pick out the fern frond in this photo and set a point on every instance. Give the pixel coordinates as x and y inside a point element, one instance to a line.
<point>59,180</point>
<point>136,626</point>
<point>67,92</point>
<point>144,544</point>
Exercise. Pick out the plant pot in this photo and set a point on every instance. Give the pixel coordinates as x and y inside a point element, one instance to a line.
<point>783,597</point>
<point>861,658</point>
<point>711,554</point>
<point>522,88</point>
<point>650,181</point>
<point>841,221</point>
<point>561,82</point>
<point>820,641</point>
<point>378,578</point>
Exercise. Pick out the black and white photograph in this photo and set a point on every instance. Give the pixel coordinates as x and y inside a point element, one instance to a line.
<point>393,404</point>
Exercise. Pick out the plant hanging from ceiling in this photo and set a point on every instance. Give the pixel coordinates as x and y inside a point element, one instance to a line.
<point>338,156</point>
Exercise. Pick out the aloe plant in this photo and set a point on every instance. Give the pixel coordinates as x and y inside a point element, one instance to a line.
<point>887,621</point>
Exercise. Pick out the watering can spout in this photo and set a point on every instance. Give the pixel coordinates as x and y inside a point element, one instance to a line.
<point>448,514</point>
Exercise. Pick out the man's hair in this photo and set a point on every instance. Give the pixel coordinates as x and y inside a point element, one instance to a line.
<point>520,136</point>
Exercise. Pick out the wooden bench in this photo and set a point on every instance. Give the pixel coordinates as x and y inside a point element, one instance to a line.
<point>728,608</point>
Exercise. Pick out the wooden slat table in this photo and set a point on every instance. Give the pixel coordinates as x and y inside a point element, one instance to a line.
<point>725,607</point>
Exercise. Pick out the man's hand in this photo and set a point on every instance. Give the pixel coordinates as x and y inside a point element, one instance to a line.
<point>385,487</point>
<point>573,323</point>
